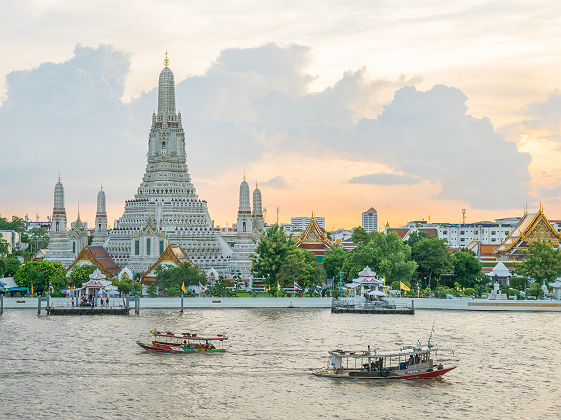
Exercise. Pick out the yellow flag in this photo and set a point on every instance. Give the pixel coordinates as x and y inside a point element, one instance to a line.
<point>31,287</point>
<point>403,286</point>
<point>183,287</point>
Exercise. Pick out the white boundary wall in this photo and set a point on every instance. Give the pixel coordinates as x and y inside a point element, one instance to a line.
<point>289,302</point>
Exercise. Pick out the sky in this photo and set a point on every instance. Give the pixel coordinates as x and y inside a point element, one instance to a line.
<point>417,108</point>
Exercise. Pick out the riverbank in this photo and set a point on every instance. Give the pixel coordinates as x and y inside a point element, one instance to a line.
<point>464,304</point>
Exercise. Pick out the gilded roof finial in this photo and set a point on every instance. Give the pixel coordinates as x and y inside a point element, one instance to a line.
<point>244,175</point>
<point>166,60</point>
<point>101,185</point>
<point>78,210</point>
<point>58,176</point>
<point>256,184</point>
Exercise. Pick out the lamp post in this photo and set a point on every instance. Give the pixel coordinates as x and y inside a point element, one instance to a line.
<point>341,281</point>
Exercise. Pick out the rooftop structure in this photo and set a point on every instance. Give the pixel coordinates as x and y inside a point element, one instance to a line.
<point>315,240</point>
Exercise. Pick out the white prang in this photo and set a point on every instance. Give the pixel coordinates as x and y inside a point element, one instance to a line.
<point>60,247</point>
<point>167,197</point>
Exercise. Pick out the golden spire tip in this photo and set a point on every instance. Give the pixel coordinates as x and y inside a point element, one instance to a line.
<point>166,60</point>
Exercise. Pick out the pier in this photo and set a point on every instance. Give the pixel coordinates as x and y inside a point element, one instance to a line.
<point>118,310</point>
<point>377,308</point>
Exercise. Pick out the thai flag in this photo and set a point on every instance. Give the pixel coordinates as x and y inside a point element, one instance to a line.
<point>202,287</point>
<point>297,286</point>
<point>52,288</point>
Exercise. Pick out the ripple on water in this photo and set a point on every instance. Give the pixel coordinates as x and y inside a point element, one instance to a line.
<point>91,367</point>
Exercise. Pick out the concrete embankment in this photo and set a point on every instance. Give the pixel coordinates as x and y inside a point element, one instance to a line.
<point>271,302</point>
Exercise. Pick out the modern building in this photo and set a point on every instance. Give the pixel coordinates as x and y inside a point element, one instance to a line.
<point>300,223</point>
<point>370,220</point>
<point>12,238</point>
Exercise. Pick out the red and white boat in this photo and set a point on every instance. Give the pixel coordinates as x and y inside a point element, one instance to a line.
<point>169,342</point>
<point>410,362</point>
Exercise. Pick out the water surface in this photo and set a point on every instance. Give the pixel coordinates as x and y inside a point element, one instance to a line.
<point>61,367</point>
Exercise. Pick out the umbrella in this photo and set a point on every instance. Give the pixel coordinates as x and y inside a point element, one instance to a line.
<point>67,292</point>
<point>102,292</point>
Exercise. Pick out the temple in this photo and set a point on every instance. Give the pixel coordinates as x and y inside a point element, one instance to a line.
<point>315,240</point>
<point>533,227</point>
<point>60,247</point>
<point>166,208</point>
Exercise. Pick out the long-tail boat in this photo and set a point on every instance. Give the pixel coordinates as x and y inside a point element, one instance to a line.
<point>169,342</point>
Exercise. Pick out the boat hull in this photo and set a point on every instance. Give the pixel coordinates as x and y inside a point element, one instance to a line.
<point>411,375</point>
<point>177,349</point>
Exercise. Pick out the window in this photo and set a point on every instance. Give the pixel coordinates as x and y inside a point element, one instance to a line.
<point>445,232</point>
<point>74,247</point>
<point>462,232</point>
<point>161,247</point>
<point>136,247</point>
<point>493,232</point>
<point>148,243</point>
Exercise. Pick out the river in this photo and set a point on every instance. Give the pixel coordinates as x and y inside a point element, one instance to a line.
<point>68,367</point>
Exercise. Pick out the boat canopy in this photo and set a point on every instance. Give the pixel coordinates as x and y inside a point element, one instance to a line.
<point>189,336</point>
<point>368,354</point>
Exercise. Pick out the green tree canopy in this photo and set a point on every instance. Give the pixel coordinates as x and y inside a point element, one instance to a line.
<point>301,267</point>
<point>333,262</point>
<point>81,274</point>
<point>41,273</point>
<point>415,237</point>
<point>38,238</point>
<point>16,224</point>
<point>432,256</point>
<point>542,263</point>
<point>466,267</point>
<point>360,235</point>
<point>171,278</point>
<point>271,252</point>
<point>11,266</point>
<point>4,247</point>
<point>387,255</point>
<point>124,285</point>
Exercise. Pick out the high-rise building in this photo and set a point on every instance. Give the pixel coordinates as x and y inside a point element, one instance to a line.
<point>370,220</point>
<point>300,223</point>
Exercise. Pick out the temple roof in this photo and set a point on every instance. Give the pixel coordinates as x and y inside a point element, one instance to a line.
<point>99,257</point>
<point>314,234</point>
<point>532,227</point>
<point>172,254</point>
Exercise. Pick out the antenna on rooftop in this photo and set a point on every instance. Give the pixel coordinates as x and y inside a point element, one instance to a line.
<point>277,215</point>
<point>464,216</point>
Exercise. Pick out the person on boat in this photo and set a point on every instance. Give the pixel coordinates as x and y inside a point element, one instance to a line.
<point>184,343</point>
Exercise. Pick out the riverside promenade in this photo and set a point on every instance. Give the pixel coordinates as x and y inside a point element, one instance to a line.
<point>464,304</point>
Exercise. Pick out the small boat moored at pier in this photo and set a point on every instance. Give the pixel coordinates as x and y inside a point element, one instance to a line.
<point>168,342</point>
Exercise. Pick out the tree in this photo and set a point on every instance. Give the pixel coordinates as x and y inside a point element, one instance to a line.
<point>415,237</point>
<point>124,285</point>
<point>4,247</point>
<point>152,290</point>
<point>432,257</point>
<point>333,262</point>
<point>12,265</point>
<point>301,267</point>
<point>81,274</point>
<point>171,279</point>
<point>271,252</point>
<point>466,267</point>
<point>41,273</point>
<point>360,235</point>
<point>38,238</point>
<point>542,263</point>
<point>387,255</point>
<point>220,289</point>
<point>2,267</point>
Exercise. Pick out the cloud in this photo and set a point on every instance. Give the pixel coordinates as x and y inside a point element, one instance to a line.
<point>384,179</point>
<point>277,183</point>
<point>547,114</point>
<point>250,102</point>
